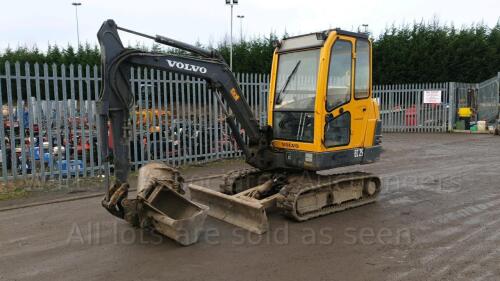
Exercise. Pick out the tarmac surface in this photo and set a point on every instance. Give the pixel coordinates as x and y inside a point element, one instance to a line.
<point>437,218</point>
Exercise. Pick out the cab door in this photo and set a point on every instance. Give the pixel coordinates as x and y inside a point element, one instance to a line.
<point>347,93</point>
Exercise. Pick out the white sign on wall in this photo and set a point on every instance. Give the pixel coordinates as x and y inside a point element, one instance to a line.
<point>432,96</point>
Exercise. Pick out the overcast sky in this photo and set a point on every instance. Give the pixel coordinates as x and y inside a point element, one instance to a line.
<point>28,22</point>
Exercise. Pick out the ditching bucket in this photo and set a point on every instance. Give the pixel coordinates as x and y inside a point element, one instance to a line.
<point>163,208</point>
<point>245,212</point>
<point>174,216</point>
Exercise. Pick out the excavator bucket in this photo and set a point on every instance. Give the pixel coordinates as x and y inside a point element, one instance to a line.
<point>164,208</point>
<point>240,209</point>
<point>174,216</point>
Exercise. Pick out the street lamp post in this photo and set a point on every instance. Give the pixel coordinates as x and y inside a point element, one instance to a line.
<point>241,17</point>
<point>365,27</point>
<point>76,4</point>
<point>231,3</point>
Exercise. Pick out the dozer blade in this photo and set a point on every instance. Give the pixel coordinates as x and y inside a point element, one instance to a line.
<point>242,211</point>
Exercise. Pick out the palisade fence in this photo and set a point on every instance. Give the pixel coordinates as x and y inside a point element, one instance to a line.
<point>402,107</point>
<point>49,127</point>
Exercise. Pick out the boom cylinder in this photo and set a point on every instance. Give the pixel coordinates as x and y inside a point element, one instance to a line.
<point>184,46</point>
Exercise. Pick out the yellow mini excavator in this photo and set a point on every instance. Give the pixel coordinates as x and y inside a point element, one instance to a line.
<point>321,116</point>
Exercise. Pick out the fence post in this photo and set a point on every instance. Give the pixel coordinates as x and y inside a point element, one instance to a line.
<point>13,162</point>
<point>32,161</point>
<point>20,119</point>
<point>3,153</point>
<point>451,105</point>
<point>66,119</point>
<point>57,123</point>
<point>498,95</point>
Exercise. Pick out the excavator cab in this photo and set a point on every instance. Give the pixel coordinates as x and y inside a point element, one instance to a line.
<point>320,104</point>
<point>322,115</point>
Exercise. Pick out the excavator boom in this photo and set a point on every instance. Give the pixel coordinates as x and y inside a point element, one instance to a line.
<point>116,97</point>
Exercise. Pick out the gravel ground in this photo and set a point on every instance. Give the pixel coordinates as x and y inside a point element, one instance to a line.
<point>437,218</point>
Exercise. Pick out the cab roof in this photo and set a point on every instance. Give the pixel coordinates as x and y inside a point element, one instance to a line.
<point>313,40</point>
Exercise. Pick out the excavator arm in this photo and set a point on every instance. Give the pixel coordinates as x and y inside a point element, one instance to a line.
<point>116,98</point>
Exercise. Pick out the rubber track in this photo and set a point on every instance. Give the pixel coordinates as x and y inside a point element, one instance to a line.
<point>234,175</point>
<point>293,190</point>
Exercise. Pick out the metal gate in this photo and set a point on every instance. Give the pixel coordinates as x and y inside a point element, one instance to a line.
<point>404,109</point>
<point>488,100</point>
<point>485,100</point>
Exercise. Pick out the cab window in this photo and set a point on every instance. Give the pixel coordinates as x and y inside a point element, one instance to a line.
<point>295,95</point>
<point>296,80</point>
<point>338,130</point>
<point>339,75</point>
<point>362,78</point>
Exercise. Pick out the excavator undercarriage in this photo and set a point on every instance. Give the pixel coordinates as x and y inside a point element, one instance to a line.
<point>299,196</point>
